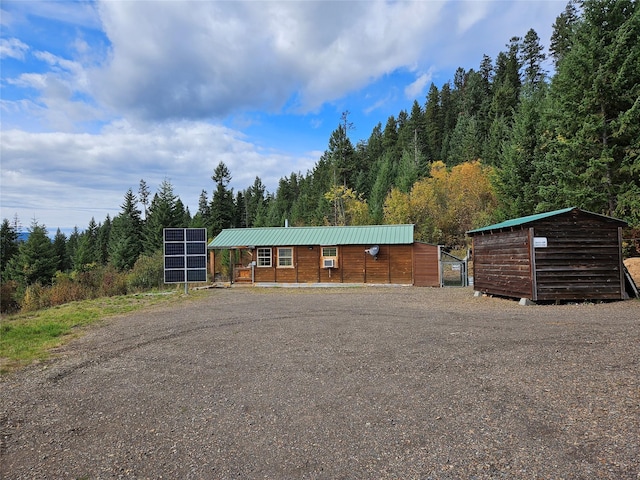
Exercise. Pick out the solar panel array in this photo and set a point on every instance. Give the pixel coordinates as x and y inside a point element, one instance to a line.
<point>185,255</point>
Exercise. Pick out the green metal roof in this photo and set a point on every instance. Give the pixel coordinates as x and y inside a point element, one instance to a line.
<point>516,222</point>
<point>293,236</point>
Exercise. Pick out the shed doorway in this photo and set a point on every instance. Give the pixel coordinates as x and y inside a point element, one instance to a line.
<point>453,271</point>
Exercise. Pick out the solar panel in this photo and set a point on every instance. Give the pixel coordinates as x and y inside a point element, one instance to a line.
<point>185,255</point>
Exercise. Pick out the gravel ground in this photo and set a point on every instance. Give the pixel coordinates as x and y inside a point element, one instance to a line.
<point>353,383</point>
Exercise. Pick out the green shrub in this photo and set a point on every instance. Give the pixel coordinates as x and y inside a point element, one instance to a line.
<point>147,273</point>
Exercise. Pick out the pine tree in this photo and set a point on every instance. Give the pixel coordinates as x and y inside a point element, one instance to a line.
<point>125,242</point>
<point>8,244</point>
<point>592,161</point>
<point>87,253</point>
<point>222,204</point>
<point>143,196</point>
<point>36,261</point>
<point>532,57</point>
<point>517,188</point>
<point>72,246</point>
<point>60,249</point>
<point>433,124</point>
<point>102,241</point>
<point>164,212</point>
<point>563,31</point>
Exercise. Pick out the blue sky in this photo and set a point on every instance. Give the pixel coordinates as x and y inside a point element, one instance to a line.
<point>98,95</point>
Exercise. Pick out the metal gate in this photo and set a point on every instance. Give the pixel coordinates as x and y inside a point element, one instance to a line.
<point>453,271</point>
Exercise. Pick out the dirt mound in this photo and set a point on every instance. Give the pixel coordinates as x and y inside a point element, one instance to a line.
<point>633,265</point>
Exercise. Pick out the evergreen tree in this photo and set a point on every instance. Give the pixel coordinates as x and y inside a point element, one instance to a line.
<point>254,201</point>
<point>202,218</point>
<point>408,172</point>
<point>594,117</point>
<point>87,252</point>
<point>563,31</point>
<point>222,205</point>
<point>433,124</point>
<point>390,140</point>
<point>465,141</point>
<point>382,186</point>
<point>143,196</point>
<point>517,189</point>
<point>102,241</point>
<point>125,242</point>
<point>60,249</point>
<point>36,261</point>
<point>72,246</point>
<point>531,57</point>
<point>164,212</point>
<point>8,244</point>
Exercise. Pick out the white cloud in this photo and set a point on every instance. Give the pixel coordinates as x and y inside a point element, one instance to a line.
<point>85,175</point>
<point>173,69</point>
<point>13,48</point>
<point>418,87</point>
<point>472,13</point>
<point>208,59</point>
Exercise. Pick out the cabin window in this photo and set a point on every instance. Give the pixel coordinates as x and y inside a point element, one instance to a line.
<point>264,257</point>
<point>285,257</point>
<point>330,252</point>
<point>329,257</point>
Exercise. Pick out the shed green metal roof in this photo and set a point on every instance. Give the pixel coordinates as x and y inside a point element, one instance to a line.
<point>517,222</point>
<point>294,236</point>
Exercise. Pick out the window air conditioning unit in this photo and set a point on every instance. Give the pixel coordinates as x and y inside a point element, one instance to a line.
<point>329,263</point>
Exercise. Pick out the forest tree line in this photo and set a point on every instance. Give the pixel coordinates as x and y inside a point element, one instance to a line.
<point>504,140</point>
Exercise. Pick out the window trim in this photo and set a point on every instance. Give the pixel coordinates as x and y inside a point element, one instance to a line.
<point>280,257</point>
<point>260,258</point>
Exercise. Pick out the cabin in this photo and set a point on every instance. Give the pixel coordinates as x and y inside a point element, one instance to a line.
<point>373,254</point>
<point>568,254</point>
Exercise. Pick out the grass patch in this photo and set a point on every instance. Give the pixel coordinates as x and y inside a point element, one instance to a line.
<point>29,337</point>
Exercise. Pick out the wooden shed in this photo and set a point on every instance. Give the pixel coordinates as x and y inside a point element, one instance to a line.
<point>567,254</point>
<point>376,254</point>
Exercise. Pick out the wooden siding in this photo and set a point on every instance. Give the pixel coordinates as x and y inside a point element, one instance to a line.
<point>394,264</point>
<point>351,260</point>
<point>377,268</point>
<point>401,264</point>
<point>308,264</point>
<point>426,265</point>
<point>582,259</point>
<point>502,264</point>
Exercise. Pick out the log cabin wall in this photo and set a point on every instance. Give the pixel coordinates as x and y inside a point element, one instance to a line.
<point>502,263</point>
<point>394,264</point>
<point>308,264</point>
<point>582,259</point>
<point>351,261</point>
<point>401,264</point>
<point>377,269</point>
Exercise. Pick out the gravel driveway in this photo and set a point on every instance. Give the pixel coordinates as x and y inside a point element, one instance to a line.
<point>331,383</point>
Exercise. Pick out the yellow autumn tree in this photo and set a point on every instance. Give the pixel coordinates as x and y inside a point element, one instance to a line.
<point>446,204</point>
<point>349,207</point>
<point>396,208</point>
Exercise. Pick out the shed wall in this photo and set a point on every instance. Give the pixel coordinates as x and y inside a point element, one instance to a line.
<point>582,259</point>
<point>502,263</point>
